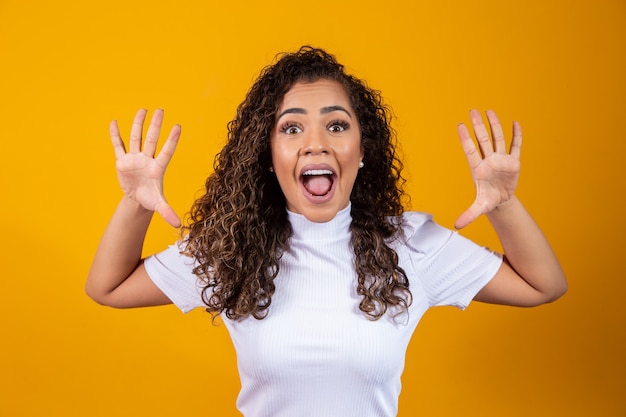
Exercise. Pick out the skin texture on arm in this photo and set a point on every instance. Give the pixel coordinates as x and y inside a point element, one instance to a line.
<point>531,274</point>
<point>117,276</point>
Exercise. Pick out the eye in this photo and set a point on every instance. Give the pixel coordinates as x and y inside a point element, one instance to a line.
<point>290,129</point>
<point>338,126</point>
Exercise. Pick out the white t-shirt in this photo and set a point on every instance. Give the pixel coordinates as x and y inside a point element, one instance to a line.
<point>316,353</point>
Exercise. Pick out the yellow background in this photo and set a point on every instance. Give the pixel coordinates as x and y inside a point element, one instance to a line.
<point>68,68</point>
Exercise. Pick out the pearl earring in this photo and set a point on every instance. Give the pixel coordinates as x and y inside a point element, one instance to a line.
<point>361,164</point>
<point>271,169</point>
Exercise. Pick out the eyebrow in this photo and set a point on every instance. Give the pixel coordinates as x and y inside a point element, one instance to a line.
<point>323,110</point>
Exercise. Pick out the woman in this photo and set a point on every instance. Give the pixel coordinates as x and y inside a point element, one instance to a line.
<point>301,242</point>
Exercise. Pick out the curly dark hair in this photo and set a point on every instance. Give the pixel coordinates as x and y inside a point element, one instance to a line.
<point>239,228</point>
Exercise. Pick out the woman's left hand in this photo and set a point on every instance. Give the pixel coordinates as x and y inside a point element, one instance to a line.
<point>494,170</point>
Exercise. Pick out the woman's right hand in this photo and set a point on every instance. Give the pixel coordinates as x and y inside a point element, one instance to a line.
<point>140,173</point>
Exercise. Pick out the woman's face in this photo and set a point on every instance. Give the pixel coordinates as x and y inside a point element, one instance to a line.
<point>316,149</point>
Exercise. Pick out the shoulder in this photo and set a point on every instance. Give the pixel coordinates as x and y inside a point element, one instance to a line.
<point>450,268</point>
<point>172,272</point>
<point>413,221</point>
<point>419,232</point>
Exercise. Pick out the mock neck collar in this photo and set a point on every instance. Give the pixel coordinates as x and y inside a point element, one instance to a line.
<point>304,229</point>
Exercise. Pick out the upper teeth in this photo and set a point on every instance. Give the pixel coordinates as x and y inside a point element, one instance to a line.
<point>318,172</point>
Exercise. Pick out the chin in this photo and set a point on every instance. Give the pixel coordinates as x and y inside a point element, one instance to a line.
<point>320,217</point>
<point>321,214</point>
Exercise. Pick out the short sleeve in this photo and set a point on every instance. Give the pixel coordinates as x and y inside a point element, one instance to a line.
<point>450,268</point>
<point>172,272</point>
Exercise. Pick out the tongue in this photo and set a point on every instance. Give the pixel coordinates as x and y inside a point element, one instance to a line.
<point>317,185</point>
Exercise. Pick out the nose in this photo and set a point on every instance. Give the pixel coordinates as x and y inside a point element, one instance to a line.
<point>315,143</point>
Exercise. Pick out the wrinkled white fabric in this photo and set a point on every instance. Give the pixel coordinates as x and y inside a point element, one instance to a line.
<point>316,353</point>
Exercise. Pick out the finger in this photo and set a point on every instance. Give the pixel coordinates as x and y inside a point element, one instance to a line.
<point>137,130</point>
<point>469,147</point>
<point>118,143</point>
<point>482,136</point>
<point>152,136</point>
<point>467,217</point>
<point>169,215</point>
<point>516,142</point>
<point>496,132</point>
<point>165,156</point>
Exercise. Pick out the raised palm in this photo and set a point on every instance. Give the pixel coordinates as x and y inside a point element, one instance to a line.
<point>494,170</point>
<point>139,171</point>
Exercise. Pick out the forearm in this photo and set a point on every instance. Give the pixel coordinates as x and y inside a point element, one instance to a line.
<point>119,251</point>
<point>527,250</point>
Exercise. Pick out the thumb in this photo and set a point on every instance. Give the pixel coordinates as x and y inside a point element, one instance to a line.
<point>467,217</point>
<point>169,215</point>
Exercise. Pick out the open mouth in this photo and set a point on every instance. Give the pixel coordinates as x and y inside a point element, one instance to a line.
<point>318,182</point>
